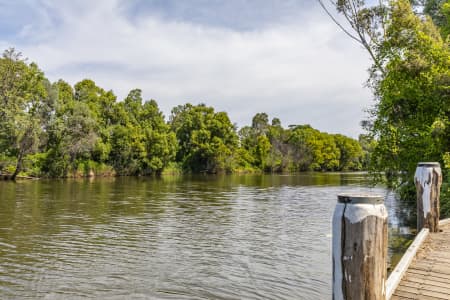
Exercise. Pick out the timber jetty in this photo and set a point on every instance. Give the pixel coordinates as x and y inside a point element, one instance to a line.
<point>360,247</point>
<point>424,271</point>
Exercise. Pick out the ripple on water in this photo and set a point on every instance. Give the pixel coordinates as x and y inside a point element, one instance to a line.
<point>224,238</point>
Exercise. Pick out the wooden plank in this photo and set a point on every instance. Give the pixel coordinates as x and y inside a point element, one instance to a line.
<point>440,253</point>
<point>400,298</point>
<point>441,235</point>
<point>437,260</point>
<point>426,276</point>
<point>438,256</point>
<point>404,295</point>
<point>397,275</point>
<point>426,286</point>
<point>444,222</point>
<point>422,294</point>
<point>432,267</point>
<point>409,295</point>
<point>426,281</point>
<point>438,246</point>
<point>427,272</point>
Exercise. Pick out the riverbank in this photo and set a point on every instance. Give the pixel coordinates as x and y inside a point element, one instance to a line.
<point>173,172</point>
<point>9,177</point>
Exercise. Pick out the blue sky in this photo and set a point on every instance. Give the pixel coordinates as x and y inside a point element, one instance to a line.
<point>285,58</point>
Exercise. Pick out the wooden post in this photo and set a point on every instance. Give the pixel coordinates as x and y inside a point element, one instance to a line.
<point>360,243</point>
<point>428,179</point>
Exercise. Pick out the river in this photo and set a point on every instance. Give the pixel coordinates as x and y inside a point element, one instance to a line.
<point>199,237</point>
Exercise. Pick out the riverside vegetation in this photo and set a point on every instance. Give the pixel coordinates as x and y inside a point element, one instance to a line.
<point>409,44</point>
<point>56,130</point>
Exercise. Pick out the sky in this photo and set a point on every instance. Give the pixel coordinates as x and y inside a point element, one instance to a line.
<point>285,58</point>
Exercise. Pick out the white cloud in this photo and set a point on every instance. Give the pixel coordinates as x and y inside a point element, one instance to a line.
<point>303,72</point>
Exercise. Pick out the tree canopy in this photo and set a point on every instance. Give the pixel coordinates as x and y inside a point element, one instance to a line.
<point>59,130</point>
<point>410,78</point>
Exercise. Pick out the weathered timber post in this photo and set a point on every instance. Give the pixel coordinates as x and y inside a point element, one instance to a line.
<point>360,240</point>
<point>428,179</point>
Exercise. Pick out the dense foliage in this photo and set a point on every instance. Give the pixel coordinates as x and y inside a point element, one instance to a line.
<point>410,45</point>
<point>56,130</point>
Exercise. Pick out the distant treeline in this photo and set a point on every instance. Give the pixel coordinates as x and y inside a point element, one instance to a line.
<point>56,130</point>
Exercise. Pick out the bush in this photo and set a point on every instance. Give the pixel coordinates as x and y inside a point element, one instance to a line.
<point>445,190</point>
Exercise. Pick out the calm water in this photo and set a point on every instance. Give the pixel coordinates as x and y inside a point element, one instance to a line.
<point>229,237</point>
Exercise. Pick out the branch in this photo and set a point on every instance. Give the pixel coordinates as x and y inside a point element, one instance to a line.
<point>353,20</point>
<point>338,24</point>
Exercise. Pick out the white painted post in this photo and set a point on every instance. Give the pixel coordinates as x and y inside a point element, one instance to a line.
<point>360,248</point>
<point>428,179</point>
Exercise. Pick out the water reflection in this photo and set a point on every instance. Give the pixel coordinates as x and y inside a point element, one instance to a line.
<point>198,237</point>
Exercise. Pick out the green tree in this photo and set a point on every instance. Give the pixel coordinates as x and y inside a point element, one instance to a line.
<point>160,142</point>
<point>257,141</point>
<point>207,140</point>
<point>128,150</point>
<point>127,139</point>
<point>410,79</point>
<point>263,147</point>
<point>445,26</point>
<point>59,130</point>
<point>439,11</point>
<point>73,133</point>
<point>24,105</point>
<point>367,143</point>
<point>351,153</point>
<point>411,118</point>
<point>101,105</point>
<point>260,123</point>
<point>302,153</point>
<point>141,140</point>
<point>315,150</point>
<point>279,158</point>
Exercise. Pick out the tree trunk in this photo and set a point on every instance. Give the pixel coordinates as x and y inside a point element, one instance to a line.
<point>18,166</point>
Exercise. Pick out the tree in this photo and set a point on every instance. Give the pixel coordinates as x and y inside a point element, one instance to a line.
<point>411,119</point>
<point>367,25</point>
<point>73,132</point>
<point>258,140</point>
<point>260,123</point>
<point>367,143</point>
<point>160,143</point>
<point>141,141</point>
<point>263,147</point>
<point>302,153</point>
<point>207,140</point>
<point>445,26</point>
<point>128,150</point>
<point>351,153</point>
<point>101,105</point>
<point>24,103</point>
<point>439,11</point>
<point>410,79</point>
<point>279,158</point>
<point>58,130</point>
